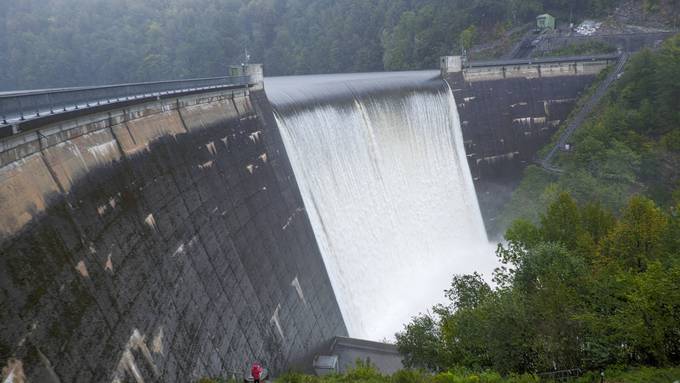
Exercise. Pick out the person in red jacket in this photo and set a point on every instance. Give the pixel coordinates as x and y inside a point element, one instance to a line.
<point>256,371</point>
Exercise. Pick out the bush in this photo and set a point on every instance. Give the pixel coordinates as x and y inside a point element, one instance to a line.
<point>445,377</point>
<point>582,49</point>
<point>296,377</point>
<point>633,375</point>
<point>524,378</point>
<point>409,376</point>
<point>490,377</point>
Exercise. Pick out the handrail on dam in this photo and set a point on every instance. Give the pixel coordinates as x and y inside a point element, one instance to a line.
<point>19,106</point>
<point>542,60</point>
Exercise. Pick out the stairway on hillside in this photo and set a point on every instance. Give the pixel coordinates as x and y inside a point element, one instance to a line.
<point>582,114</point>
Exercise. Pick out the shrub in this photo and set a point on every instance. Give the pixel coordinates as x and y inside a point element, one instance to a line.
<point>410,376</point>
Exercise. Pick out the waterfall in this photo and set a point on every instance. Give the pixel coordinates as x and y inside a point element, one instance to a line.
<point>383,173</point>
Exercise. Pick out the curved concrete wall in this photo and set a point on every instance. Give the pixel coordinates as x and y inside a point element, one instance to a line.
<point>507,119</point>
<point>163,242</point>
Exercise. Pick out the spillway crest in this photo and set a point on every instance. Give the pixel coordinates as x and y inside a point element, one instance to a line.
<point>382,169</point>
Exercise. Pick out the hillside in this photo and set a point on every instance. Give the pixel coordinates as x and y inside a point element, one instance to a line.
<point>51,43</point>
<point>630,145</point>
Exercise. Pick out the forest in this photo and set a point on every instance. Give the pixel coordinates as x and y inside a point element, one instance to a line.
<point>54,43</point>
<point>584,288</point>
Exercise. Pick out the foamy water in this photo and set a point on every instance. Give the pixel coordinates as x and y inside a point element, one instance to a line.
<point>386,184</point>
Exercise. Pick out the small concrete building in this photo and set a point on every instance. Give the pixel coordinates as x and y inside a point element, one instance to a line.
<point>450,64</point>
<point>344,352</point>
<point>545,21</point>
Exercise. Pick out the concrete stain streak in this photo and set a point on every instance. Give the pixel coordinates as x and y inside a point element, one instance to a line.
<point>179,251</point>
<point>127,363</point>
<point>108,205</point>
<point>255,136</point>
<point>522,120</point>
<point>211,147</point>
<point>13,372</point>
<point>291,218</point>
<point>296,284</point>
<point>276,322</point>
<point>206,165</point>
<point>104,151</point>
<point>151,222</point>
<point>82,269</point>
<point>157,344</point>
<point>109,264</point>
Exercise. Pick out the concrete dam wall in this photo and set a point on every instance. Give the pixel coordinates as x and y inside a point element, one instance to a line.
<point>161,242</point>
<point>508,112</point>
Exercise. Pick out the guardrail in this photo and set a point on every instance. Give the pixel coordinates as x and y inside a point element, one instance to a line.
<point>19,106</point>
<point>542,60</point>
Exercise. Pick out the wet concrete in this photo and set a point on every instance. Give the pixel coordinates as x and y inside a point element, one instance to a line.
<point>506,121</point>
<point>163,242</point>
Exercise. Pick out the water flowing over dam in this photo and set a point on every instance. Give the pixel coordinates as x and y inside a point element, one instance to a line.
<point>381,166</point>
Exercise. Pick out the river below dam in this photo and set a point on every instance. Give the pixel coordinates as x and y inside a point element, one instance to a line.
<point>382,169</point>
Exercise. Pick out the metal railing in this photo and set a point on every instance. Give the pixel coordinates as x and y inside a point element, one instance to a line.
<point>19,106</point>
<point>543,60</point>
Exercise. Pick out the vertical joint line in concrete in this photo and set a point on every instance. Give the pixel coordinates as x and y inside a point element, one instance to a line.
<point>181,118</point>
<point>238,112</point>
<point>115,138</point>
<point>47,164</point>
<point>127,127</point>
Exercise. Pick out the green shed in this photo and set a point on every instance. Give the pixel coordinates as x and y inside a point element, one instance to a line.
<point>545,21</point>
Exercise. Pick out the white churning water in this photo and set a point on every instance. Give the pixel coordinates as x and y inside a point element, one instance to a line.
<point>380,162</point>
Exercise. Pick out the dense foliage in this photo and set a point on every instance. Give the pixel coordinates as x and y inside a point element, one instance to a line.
<point>363,373</point>
<point>581,289</point>
<point>48,43</point>
<point>630,145</point>
<point>582,49</point>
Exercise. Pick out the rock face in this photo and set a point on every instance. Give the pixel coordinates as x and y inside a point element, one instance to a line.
<point>163,242</point>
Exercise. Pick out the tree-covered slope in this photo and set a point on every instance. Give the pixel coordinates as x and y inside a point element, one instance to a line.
<point>579,290</point>
<point>50,43</point>
<point>630,145</point>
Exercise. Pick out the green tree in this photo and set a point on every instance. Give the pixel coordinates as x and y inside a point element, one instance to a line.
<point>421,344</point>
<point>467,37</point>
<point>637,237</point>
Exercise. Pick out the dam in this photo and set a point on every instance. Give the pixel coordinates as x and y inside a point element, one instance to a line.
<point>381,166</point>
<point>182,233</point>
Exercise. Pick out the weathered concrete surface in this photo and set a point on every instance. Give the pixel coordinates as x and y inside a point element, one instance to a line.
<point>529,71</point>
<point>162,242</point>
<point>507,115</point>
